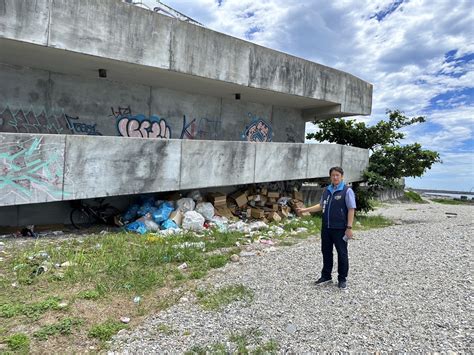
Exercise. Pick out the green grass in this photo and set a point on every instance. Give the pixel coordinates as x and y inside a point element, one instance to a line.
<point>371,222</point>
<point>245,342</point>
<point>31,310</point>
<point>106,330</point>
<point>445,201</point>
<point>217,299</point>
<point>89,294</point>
<point>63,327</point>
<point>18,342</point>
<point>165,329</point>
<point>414,197</point>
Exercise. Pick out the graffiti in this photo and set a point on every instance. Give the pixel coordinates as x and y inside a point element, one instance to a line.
<point>31,168</point>
<point>81,128</point>
<point>121,112</point>
<point>205,129</point>
<point>29,122</point>
<point>257,131</point>
<point>21,122</point>
<point>189,129</point>
<point>142,127</point>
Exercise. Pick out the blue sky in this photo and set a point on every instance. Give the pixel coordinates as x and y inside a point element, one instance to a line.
<point>418,54</point>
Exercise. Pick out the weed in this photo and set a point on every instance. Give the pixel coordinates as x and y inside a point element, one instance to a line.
<point>217,299</point>
<point>165,329</point>
<point>217,261</point>
<point>64,327</point>
<point>89,294</point>
<point>197,274</point>
<point>370,222</point>
<point>414,197</point>
<point>18,342</point>
<point>106,330</point>
<point>446,201</point>
<point>32,310</point>
<point>270,347</point>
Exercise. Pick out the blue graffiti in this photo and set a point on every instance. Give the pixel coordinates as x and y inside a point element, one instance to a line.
<point>31,166</point>
<point>258,130</point>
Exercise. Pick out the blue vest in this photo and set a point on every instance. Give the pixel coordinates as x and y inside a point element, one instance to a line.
<point>335,209</point>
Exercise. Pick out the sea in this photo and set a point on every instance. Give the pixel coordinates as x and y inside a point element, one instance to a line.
<point>469,195</point>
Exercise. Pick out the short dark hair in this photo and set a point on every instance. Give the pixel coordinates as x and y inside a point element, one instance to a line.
<point>336,168</point>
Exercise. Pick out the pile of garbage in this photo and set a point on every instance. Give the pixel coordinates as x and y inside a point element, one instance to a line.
<point>197,213</point>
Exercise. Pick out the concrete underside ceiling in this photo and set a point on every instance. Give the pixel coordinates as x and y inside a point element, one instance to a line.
<point>72,63</point>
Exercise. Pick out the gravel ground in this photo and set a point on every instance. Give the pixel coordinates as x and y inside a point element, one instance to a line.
<point>410,289</point>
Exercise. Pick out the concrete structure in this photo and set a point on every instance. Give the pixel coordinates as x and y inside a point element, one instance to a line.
<point>165,79</point>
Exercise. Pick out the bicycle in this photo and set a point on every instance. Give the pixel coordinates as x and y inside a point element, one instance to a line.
<point>84,215</point>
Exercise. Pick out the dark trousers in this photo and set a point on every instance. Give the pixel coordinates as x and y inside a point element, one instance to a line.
<point>330,237</point>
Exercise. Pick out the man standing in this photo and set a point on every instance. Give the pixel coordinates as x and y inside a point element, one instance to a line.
<point>338,206</point>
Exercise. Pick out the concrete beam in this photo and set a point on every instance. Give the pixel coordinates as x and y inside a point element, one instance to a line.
<point>96,29</point>
<point>41,168</point>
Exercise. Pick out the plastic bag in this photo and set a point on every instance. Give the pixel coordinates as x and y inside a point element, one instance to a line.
<point>137,226</point>
<point>145,208</point>
<point>186,204</point>
<point>193,221</point>
<point>163,212</point>
<point>131,213</point>
<point>195,195</point>
<point>206,209</point>
<point>151,225</point>
<point>169,224</point>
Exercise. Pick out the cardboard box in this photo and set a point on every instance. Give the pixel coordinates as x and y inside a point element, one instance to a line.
<point>217,198</point>
<point>248,212</point>
<point>263,191</point>
<point>274,216</point>
<point>298,196</point>
<point>273,206</point>
<point>223,211</point>
<point>177,217</point>
<point>283,213</point>
<point>240,198</point>
<point>257,213</point>
<point>273,194</point>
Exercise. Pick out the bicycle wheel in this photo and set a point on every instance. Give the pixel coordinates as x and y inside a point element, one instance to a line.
<point>80,218</point>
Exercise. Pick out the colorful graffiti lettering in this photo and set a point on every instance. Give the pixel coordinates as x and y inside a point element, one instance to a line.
<point>257,131</point>
<point>143,127</point>
<point>81,128</point>
<point>31,168</point>
<point>29,122</point>
<point>204,129</point>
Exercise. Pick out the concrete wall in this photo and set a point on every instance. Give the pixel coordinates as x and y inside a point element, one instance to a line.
<point>37,101</point>
<point>43,168</point>
<point>97,28</point>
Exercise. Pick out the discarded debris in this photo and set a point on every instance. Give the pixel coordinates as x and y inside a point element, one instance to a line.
<point>125,320</point>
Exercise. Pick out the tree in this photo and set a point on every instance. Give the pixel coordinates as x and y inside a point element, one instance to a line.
<point>389,161</point>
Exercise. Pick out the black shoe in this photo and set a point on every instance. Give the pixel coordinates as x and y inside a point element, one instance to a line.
<point>342,285</point>
<point>322,281</point>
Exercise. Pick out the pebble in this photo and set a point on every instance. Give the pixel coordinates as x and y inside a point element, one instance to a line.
<point>125,320</point>
<point>235,258</point>
<point>398,299</point>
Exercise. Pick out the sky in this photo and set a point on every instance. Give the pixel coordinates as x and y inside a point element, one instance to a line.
<point>419,56</point>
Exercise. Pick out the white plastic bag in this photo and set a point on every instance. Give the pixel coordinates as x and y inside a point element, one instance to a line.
<point>186,204</point>
<point>206,209</point>
<point>193,221</point>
